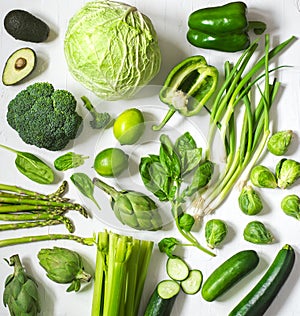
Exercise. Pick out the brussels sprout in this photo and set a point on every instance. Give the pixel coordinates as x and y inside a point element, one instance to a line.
<point>215,232</point>
<point>257,233</point>
<point>291,205</point>
<point>279,142</point>
<point>287,172</point>
<point>249,201</point>
<point>262,177</point>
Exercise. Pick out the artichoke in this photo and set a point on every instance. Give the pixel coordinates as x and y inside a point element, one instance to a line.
<point>132,208</point>
<point>64,266</point>
<point>20,293</point>
<point>287,172</point>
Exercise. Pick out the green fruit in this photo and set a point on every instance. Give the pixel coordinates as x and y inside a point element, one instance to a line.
<point>24,26</point>
<point>19,65</point>
<point>110,162</point>
<point>129,126</point>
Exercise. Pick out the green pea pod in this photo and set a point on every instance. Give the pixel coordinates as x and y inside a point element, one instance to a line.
<point>188,87</point>
<point>32,167</point>
<point>223,28</point>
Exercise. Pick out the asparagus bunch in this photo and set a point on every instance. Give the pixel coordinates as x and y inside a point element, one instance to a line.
<point>23,208</point>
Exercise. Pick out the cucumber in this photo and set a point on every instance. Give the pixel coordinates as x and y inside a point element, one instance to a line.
<point>258,300</point>
<point>192,284</point>
<point>162,299</point>
<point>177,269</point>
<point>229,273</point>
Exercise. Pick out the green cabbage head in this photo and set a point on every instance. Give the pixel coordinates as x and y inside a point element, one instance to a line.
<point>112,49</point>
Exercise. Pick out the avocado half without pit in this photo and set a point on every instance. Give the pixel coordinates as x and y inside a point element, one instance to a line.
<point>19,65</point>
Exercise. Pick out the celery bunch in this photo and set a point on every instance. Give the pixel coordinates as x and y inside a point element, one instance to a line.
<point>121,268</point>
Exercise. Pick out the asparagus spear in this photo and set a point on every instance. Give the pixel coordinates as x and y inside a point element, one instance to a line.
<point>22,225</point>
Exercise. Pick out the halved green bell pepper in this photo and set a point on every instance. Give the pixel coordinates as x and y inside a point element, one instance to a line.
<point>188,87</point>
<point>223,28</point>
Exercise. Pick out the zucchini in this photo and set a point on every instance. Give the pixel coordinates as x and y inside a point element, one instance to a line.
<point>229,273</point>
<point>162,299</point>
<point>258,300</point>
<point>192,284</point>
<point>177,269</point>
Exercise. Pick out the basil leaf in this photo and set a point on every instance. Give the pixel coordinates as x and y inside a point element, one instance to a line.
<point>190,156</point>
<point>85,185</point>
<point>34,168</point>
<point>169,158</point>
<point>201,177</point>
<point>152,185</point>
<point>168,245</point>
<point>186,222</point>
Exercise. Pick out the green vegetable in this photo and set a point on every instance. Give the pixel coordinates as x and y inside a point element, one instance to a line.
<point>249,201</point>
<point>100,120</point>
<point>85,185</point>
<point>279,142</point>
<point>32,167</point>
<point>287,172</point>
<point>162,299</point>
<point>28,239</point>
<point>243,143</point>
<point>129,126</point>
<point>164,174</point>
<point>192,284</point>
<point>215,232</point>
<point>263,177</point>
<point>23,208</point>
<point>63,266</point>
<point>187,88</point>
<point>18,66</point>
<point>229,273</point>
<point>177,269</point>
<point>121,37</point>
<point>121,268</point>
<point>21,292</point>
<point>44,117</point>
<point>257,233</point>
<point>69,160</point>
<point>24,26</point>
<point>110,162</point>
<point>224,28</point>
<point>290,204</point>
<point>132,208</point>
<point>258,300</point>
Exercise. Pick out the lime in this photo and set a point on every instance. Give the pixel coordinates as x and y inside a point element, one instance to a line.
<point>129,126</point>
<point>110,162</point>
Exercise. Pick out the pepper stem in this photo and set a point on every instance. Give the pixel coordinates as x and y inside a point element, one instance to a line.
<point>164,121</point>
<point>257,26</point>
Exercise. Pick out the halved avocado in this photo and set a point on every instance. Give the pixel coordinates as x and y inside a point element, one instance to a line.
<point>24,26</point>
<point>18,66</point>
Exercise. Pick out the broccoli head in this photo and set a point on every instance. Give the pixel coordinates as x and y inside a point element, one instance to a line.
<point>44,117</point>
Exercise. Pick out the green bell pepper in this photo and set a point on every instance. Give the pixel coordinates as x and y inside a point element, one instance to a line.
<point>224,28</point>
<point>188,87</point>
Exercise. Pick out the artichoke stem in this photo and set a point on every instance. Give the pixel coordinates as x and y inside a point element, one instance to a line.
<point>106,188</point>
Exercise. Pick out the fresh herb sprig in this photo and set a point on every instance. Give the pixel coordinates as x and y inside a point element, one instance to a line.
<point>164,175</point>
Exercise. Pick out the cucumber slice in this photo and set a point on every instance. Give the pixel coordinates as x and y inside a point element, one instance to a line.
<point>177,269</point>
<point>167,289</point>
<point>19,65</point>
<point>192,284</point>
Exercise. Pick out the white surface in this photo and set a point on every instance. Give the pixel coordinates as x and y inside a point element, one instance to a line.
<point>169,18</point>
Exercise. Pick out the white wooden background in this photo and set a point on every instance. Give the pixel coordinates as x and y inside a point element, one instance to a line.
<point>170,20</point>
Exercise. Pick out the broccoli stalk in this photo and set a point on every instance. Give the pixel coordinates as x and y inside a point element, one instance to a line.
<point>100,120</point>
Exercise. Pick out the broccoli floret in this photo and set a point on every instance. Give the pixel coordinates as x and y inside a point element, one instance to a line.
<point>44,117</point>
<point>100,120</point>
